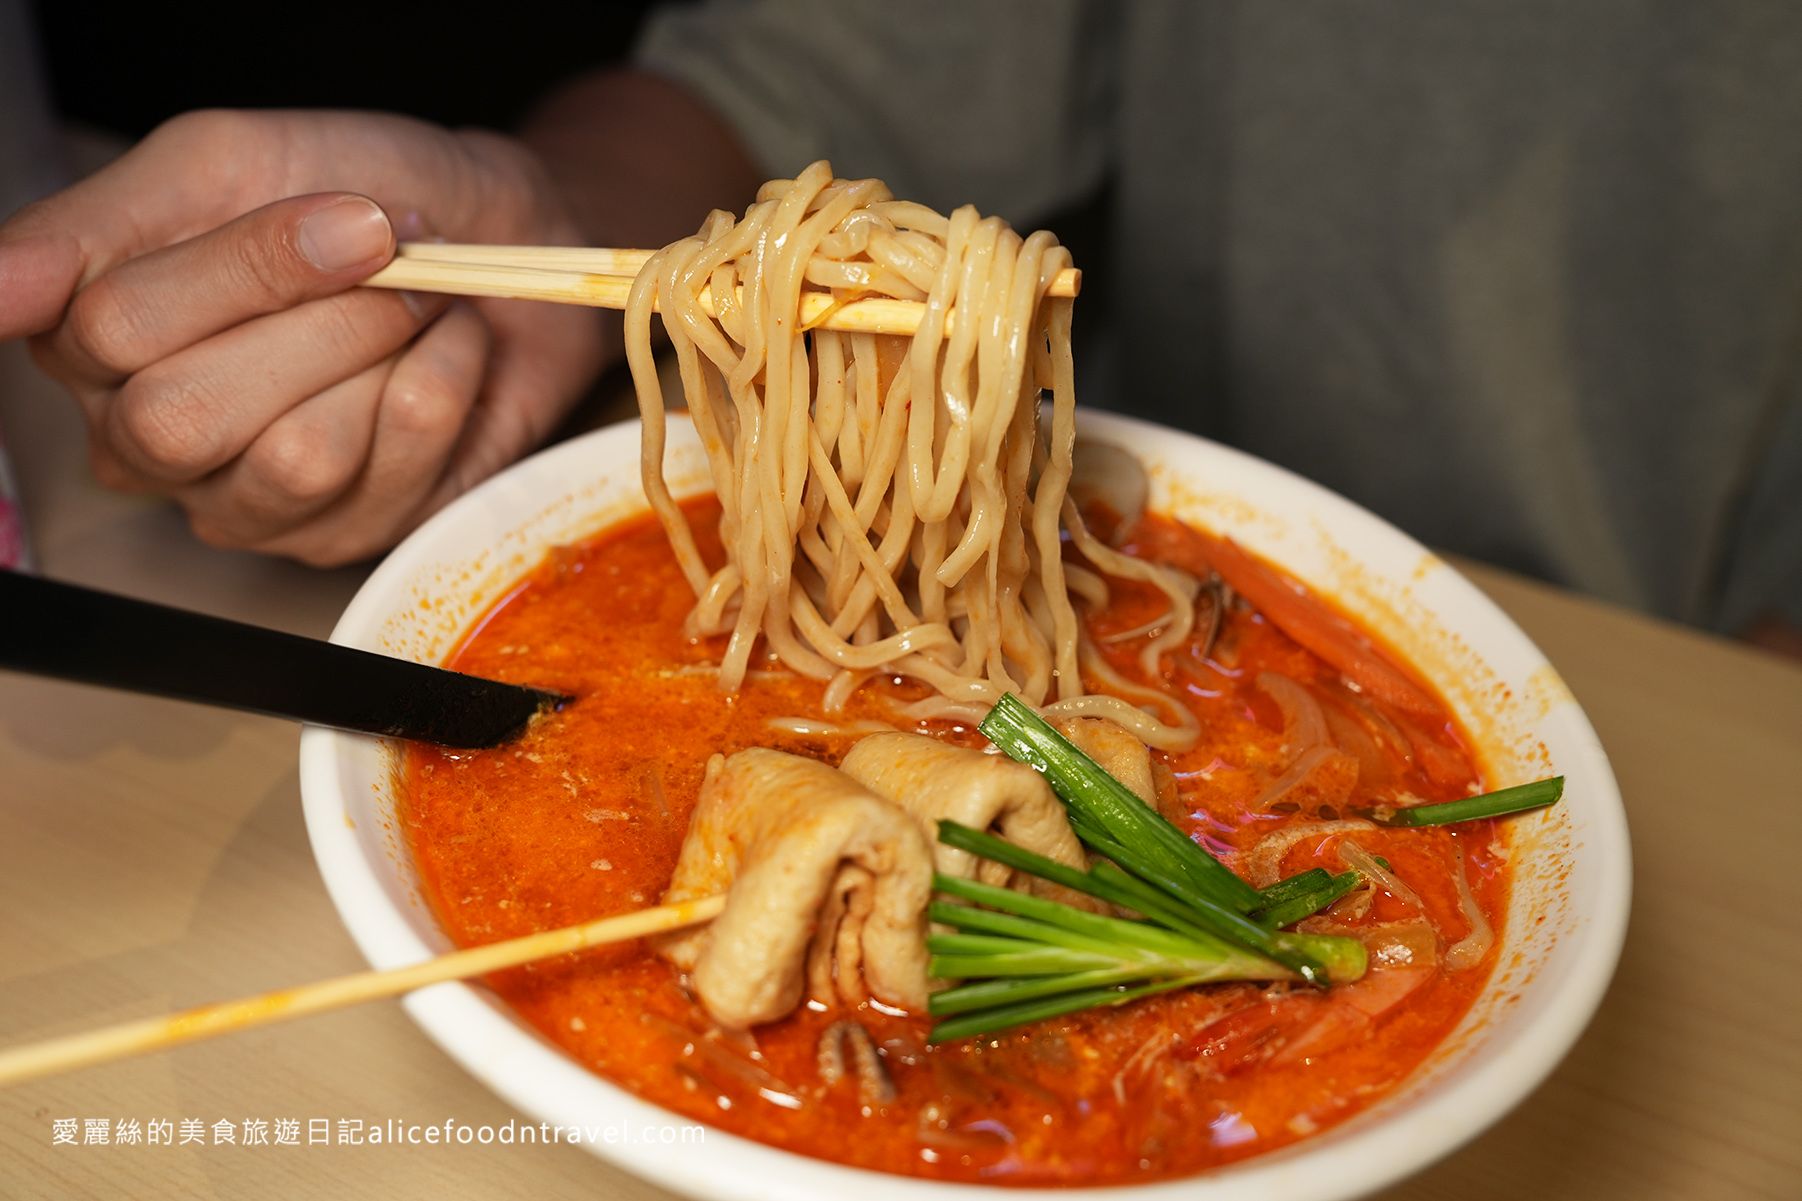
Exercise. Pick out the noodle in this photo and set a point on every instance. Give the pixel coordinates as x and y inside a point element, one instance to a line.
<point>889,505</point>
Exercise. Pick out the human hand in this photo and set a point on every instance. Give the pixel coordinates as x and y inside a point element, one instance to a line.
<point>198,299</point>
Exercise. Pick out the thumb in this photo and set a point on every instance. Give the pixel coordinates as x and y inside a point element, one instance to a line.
<point>270,259</point>
<point>38,275</point>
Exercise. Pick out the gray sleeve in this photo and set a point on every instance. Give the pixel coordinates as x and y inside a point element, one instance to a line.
<point>1002,103</point>
<point>1763,571</point>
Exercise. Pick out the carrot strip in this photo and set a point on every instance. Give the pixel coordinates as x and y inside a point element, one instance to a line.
<point>1304,619</point>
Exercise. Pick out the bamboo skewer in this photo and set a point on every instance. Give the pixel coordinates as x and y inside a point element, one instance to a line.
<point>601,278</point>
<point>207,1021</point>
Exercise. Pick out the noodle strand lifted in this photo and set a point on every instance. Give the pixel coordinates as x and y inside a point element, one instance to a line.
<point>890,505</point>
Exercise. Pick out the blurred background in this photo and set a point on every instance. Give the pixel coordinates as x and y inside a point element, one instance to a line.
<point>122,69</point>
<point>81,80</point>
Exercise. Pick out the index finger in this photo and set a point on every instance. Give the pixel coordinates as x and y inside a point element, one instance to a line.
<point>274,258</point>
<point>177,183</point>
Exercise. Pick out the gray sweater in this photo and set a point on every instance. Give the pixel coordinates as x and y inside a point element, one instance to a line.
<point>1524,277</point>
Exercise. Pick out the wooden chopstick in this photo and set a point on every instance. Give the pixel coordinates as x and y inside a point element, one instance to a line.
<point>593,260</point>
<point>509,282</point>
<point>602,279</point>
<point>207,1021</point>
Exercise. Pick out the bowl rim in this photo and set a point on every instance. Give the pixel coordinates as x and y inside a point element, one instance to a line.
<point>1349,1159</point>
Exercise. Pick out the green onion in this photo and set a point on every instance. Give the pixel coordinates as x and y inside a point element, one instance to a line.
<point>1107,804</point>
<point>1033,948</point>
<point>1536,795</point>
<point>1198,918</point>
<point>1011,913</point>
<point>1026,958</point>
<point>991,994</point>
<point>1342,959</point>
<point>1110,817</point>
<point>986,846</point>
<point>1037,961</point>
<point>1297,904</point>
<point>1312,880</point>
<point>1000,1018</point>
<point>1222,921</point>
<point>1154,904</point>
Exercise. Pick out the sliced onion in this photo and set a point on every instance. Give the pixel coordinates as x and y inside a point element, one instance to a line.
<point>1401,944</point>
<point>1264,861</point>
<point>1304,722</point>
<point>1365,864</point>
<point>1354,904</point>
<point>1297,775</point>
<point>1469,951</point>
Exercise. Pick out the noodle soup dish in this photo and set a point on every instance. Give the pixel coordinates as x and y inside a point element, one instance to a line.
<point>1555,886</point>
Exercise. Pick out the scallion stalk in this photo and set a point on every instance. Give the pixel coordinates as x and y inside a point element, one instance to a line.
<point>1110,817</point>
<point>1001,1017</point>
<point>1039,961</point>
<point>1006,909</point>
<point>1028,957</point>
<point>991,994</point>
<point>1110,805</point>
<point>1296,905</point>
<point>1300,883</point>
<point>1342,960</point>
<point>986,846</point>
<point>1500,803</point>
<point>1024,939</point>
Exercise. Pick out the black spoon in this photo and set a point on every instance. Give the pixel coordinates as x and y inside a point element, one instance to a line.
<point>72,633</point>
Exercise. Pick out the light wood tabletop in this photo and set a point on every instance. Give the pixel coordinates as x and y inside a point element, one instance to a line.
<point>152,856</point>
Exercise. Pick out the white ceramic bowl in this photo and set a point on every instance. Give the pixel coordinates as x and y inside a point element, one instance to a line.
<point>1565,923</point>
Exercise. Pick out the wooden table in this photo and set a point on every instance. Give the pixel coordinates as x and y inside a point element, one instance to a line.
<point>152,856</point>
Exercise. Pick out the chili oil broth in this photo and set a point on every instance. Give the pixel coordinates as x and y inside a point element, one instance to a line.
<point>583,817</point>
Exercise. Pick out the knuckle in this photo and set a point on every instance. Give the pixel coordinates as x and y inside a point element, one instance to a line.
<point>430,392</point>
<point>422,405</point>
<point>162,424</point>
<point>295,471</point>
<point>105,328</point>
<point>205,131</point>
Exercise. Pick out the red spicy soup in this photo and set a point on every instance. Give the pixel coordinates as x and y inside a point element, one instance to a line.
<point>584,816</point>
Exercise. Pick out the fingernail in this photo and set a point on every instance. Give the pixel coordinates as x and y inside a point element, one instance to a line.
<point>345,234</point>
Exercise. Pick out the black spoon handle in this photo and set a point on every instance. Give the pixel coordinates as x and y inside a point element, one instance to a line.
<point>53,629</point>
